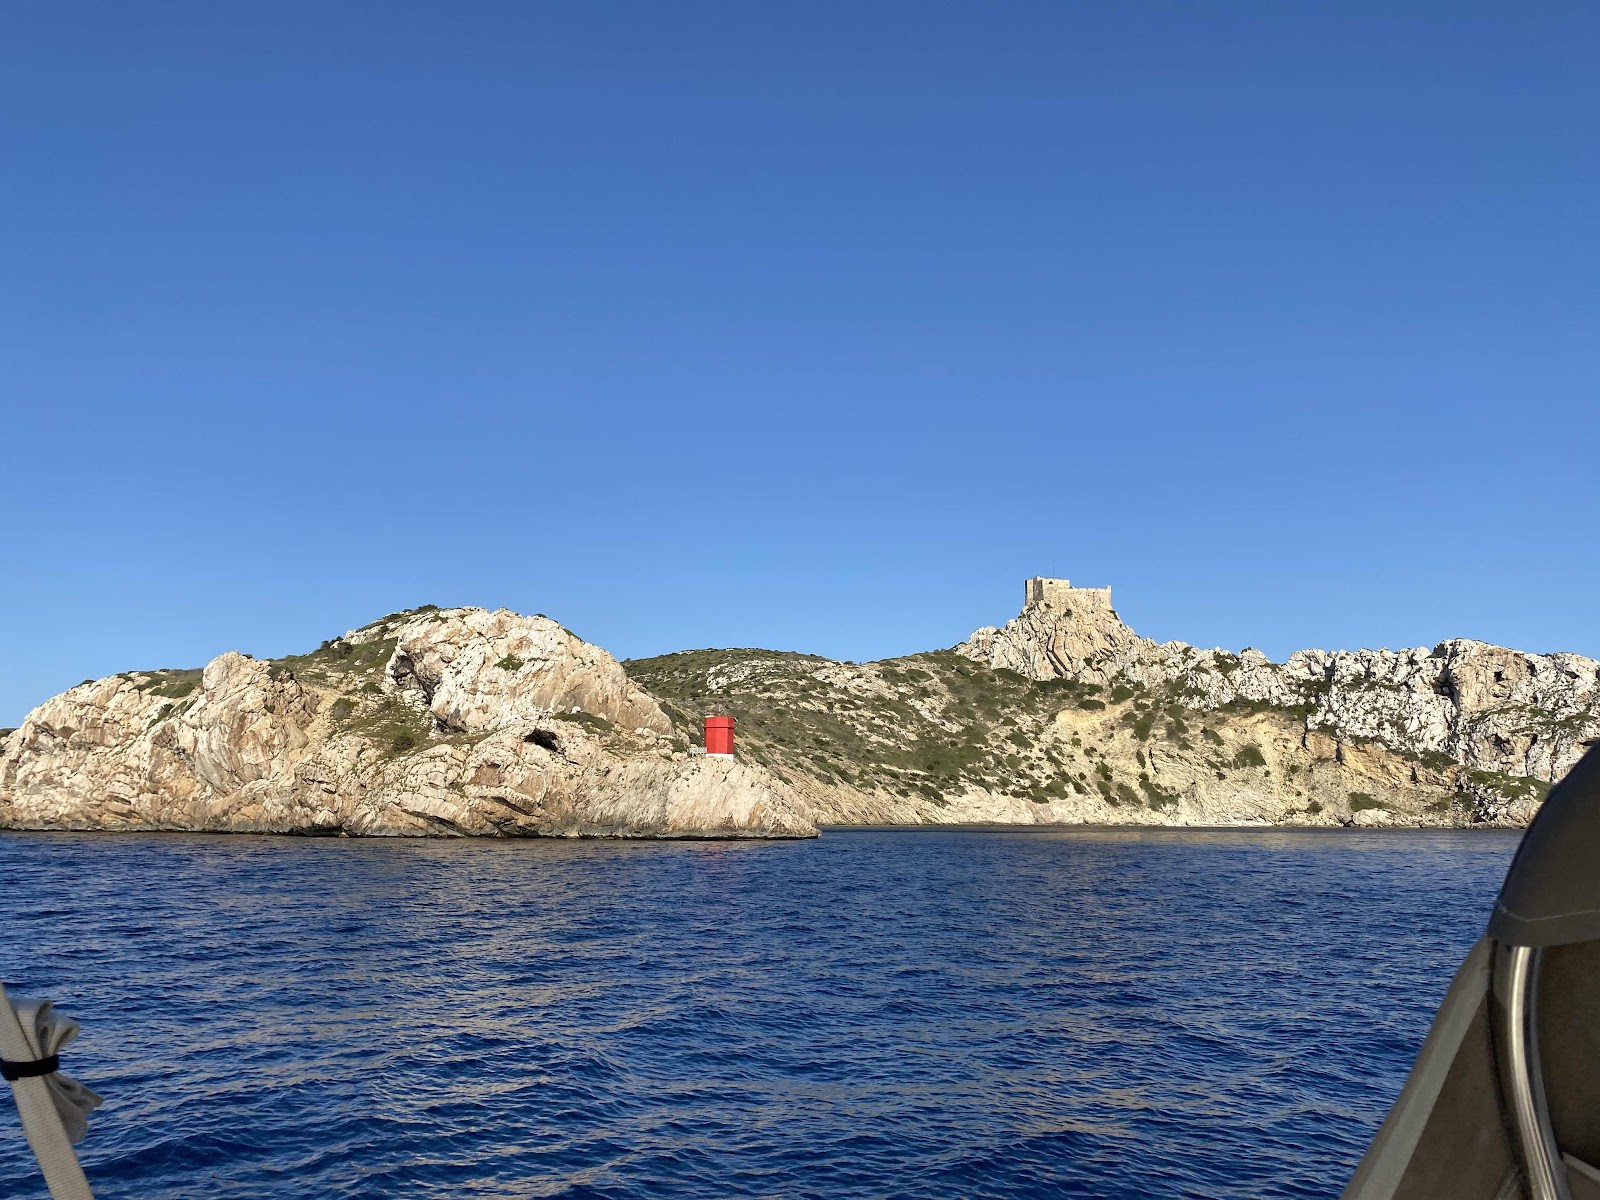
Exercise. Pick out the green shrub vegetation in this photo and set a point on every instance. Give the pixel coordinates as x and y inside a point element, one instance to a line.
<point>174,685</point>
<point>1436,760</point>
<point>965,729</point>
<point>392,725</point>
<point>1156,796</point>
<point>1514,787</point>
<point>588,720</point>
<point>1362,801</point>
<point>933,725</point>
<point>338,663</point>
<point>396,617</point>
<point>510,663</point>
<point>1250,756</point>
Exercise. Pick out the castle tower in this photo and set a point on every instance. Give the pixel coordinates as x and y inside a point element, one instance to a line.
<point>1059,593</point>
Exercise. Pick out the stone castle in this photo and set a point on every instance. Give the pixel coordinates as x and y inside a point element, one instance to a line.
<point>1059,593</point>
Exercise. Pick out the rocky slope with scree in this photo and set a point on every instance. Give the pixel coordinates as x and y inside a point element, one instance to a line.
<point>1067,715</point>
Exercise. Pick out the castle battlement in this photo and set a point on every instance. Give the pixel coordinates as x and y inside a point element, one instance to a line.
<point>1059,593</point>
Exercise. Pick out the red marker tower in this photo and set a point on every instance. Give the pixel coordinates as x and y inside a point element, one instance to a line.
<point>719,736</point>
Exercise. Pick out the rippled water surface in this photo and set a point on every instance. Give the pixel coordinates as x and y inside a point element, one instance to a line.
<point>875,1013</point>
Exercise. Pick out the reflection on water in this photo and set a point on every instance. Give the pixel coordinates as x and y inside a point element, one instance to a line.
<point>930,1013</point>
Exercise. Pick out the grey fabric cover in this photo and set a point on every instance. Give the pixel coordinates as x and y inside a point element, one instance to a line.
<point>1444,1137</point>
<point>1551,895</point>
<point>1583,1181</point>
<point>1569,1046</point>
<point>1447,1135</point>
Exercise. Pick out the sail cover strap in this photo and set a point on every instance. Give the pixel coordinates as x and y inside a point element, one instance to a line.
<point>30,1068</point>
<point>53,1107</point>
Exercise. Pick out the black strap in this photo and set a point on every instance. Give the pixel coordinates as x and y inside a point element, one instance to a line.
<point>27,1070</point>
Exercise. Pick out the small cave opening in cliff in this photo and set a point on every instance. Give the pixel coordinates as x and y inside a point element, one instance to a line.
<point>545,739</point>
<point>404,672</point>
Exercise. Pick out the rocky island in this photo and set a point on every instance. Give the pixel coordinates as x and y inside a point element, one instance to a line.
<point>465,721</point>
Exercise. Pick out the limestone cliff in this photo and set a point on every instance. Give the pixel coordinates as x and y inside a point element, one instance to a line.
<point>1503,715</point>
<point>457,721</point>
<point>464,721</point>
<point>1067,715</point>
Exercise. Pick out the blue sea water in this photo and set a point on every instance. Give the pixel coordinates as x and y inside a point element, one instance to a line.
<point>925,1013</point>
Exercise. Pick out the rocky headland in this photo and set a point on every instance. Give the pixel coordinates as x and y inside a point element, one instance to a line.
<point>464,721</point>
<point>1066,715</point>
<point>439,722</point>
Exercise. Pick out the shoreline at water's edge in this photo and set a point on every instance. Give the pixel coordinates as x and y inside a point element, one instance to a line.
<point>822,829</point>
<point>396,836</point>
<point>1007,827</point>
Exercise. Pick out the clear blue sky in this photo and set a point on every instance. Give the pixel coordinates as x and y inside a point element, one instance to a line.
<point>813,326</point>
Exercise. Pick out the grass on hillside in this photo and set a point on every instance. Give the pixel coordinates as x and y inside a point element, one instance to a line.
<point>934,724</point>
<point>928,724</point>
<point>353,669</point>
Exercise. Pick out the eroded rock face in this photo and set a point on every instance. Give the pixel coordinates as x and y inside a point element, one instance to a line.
<point>248,723</point>
<point>476,670</point>
<point>465,721</point>
<point>1063,632</point>
<point>934,738</point>
<point>1483,706</point>
<point>458,721</point>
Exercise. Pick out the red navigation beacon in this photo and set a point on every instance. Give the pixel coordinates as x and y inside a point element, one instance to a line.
<point>719,736</point>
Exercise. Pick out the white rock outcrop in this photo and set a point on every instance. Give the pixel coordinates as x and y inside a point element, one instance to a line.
<point>466,721</point>
<point>1485,707</point>
<point>457,721</point>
